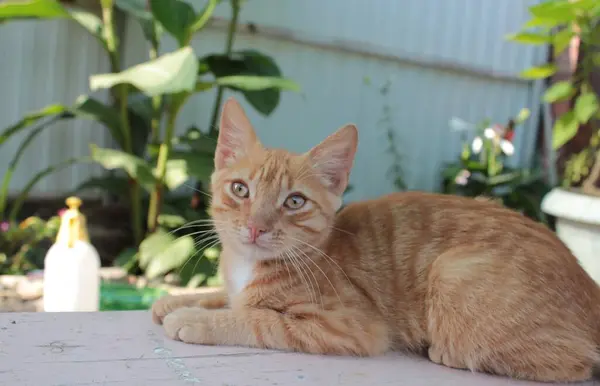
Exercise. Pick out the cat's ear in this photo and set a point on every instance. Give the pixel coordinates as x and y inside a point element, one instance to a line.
<point>236,135</point>
<point>333,158</point>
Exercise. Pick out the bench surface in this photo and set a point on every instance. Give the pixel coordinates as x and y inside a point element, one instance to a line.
<point>126,349</point>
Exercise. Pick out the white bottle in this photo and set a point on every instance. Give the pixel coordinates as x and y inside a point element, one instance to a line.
<point>72,266</point>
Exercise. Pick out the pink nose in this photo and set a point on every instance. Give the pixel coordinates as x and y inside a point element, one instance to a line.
<point>255,232</point>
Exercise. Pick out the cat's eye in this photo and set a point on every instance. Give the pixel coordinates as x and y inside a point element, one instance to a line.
<point>240,189</point>
<point>295,201</point>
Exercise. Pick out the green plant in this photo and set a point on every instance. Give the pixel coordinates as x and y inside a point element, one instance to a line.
<point>396,170</point>
<point>482,172</point>
<point>557,23</point>
<point>23,246</point>
<point>151,161</point>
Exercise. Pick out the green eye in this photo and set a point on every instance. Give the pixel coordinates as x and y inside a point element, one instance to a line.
<point>295,201</point>
<point>240,189</point>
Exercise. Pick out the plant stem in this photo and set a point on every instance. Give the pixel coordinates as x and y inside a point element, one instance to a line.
<point>156,102</point>
<point>134,190</point>
<point>161,163</point>
<point>589,184</point>
<point>120,95</point>
<point>231,30</point>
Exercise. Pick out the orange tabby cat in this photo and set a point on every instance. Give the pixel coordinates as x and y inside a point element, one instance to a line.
<point>474,285</point>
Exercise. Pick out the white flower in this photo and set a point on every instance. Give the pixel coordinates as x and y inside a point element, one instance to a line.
<point>490,133</point>
<point>496,136</point>
<point>477,145</point>
<point>507,147</point>
<point>462,177</point>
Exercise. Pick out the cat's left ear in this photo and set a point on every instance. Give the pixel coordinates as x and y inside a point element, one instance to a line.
<point>236,135</point>
<point>333,158</point>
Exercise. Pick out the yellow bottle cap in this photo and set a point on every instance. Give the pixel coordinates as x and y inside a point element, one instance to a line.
<point>72,224</point>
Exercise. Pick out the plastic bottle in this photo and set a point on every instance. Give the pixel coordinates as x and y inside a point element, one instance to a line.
<point>72,266</point>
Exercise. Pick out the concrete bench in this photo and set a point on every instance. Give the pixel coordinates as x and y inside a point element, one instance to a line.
<point>126,349</point>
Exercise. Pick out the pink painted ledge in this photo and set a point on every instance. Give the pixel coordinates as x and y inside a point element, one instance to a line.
<point>124,348</point>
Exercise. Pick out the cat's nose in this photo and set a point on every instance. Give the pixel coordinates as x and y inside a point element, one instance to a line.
<point>255,230</point>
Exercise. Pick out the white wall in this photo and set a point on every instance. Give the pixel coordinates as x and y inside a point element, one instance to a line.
<point>44,63</point>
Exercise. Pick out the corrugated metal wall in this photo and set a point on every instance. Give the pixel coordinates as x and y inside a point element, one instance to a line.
<point>441,59</point>
<point>44,63</point>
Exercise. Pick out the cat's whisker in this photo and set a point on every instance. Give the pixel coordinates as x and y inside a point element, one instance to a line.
<point>308,271</point>
<point>326,256</point>
<point>205,240</point>
<point>203,232</point>
<point>198,190</point>
<point>197,223</point>
<point>282,244</point>
<point>323,272</point>
<point>342,230</point>
<point>211,244</point>
<point>304,280</point>
<point>312,273</point>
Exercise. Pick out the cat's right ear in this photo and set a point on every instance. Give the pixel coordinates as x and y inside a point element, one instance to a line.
<point>236,135</point>
<point>334,156</point>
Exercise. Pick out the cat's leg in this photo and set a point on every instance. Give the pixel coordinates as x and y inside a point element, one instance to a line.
<point>484,317</point>
<point>321,332</point>
<point>170,303</point>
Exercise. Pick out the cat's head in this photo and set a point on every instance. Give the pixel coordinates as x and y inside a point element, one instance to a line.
<point>268,202</point>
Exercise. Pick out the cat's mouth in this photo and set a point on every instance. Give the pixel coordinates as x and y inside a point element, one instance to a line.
<point>257,245</point>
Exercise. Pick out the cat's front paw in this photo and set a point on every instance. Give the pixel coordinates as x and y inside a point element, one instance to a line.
<point>164,306</point>
<point>189,325</point>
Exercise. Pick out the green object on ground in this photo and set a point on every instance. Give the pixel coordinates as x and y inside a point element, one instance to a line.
<point>121,297</point>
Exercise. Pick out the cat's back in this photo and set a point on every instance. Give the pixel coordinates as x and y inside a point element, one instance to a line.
<point>432,223</point>
<point>416,209</point>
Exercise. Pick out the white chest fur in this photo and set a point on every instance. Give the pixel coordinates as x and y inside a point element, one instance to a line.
<point>240,274</point>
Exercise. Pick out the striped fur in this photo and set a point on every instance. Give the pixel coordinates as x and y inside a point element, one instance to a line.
<point>469,283</point>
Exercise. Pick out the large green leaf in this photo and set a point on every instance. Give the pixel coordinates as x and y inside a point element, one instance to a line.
<point>22,197</point>
<point>539,72</point>
<point>110,183</point>
<point>170,73</point>
<point>154,243</point>
<point>12,166</point>
<point>137,9</point>
<point>90,108</point>
<point>529,38</point>
<point>565,128</point>
<point>33,9</point>
<point>204,16</point>
<point>557,11</point>
<point>50,9</point>
<point>140,116</point>
<point>197,141</point>
<point>90,22</point>
<point>179,19</point>
<point>254,83</point>
<point>185,165</point>
<point>31,119</point>
<point>562,39</point>
<point>161,252</point>
<point>586,106</point>
<point>136,167</point>
<point>559,91</point>
<point>176,17</point>
<point>171,258</point>
<point>84,107</point>
<point>252,73</point>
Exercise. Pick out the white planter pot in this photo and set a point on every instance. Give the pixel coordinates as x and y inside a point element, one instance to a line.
<point>577,225</point>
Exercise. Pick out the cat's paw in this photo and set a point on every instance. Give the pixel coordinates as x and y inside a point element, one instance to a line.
<point>164,306</point>
<point>189,325</point>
